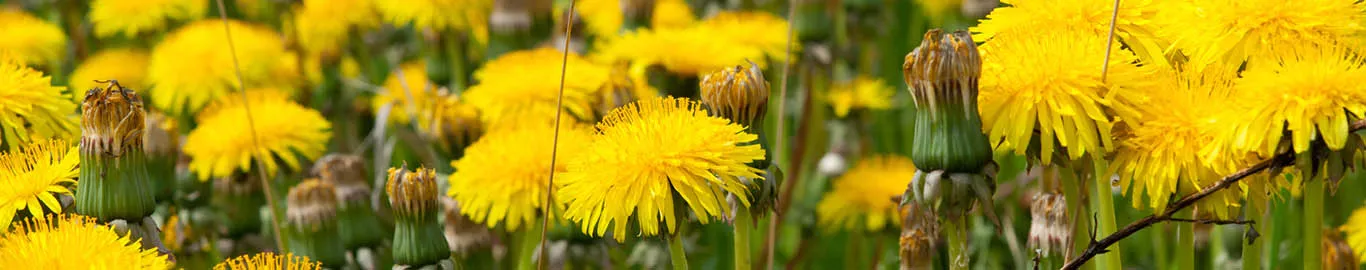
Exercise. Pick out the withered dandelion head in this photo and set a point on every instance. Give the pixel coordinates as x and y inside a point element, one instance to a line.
<point>31,40</point>
<point>111,121</point>
<point>502,177</point>
<point>504,87</point>
<point>133,17</point>
<point>268,261</point>
<point>347,173</point>
<point>190,68</point>
<point>864,197</point>
<point>128,66</point>
<point>31,176</point>
<point>861,93</point>
<point>284,132</point>
<point>74,242</point>
<point>311,204</point>
<point>412,193</point>
<point>648,153</point>
<point>739,93</point>
<point>30,107</point>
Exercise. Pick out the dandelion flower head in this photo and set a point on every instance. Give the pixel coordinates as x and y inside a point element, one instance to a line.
<point>502,177</point>
<point>323,26</point>
<point>863,197</point>
<point>1049,83</point>
<point>527,82</point>
<point>74,242</point>
<point>1235,30</point>
<point>190,68</point>
<point>440,15</point>
<point>128,66</point>
<point>409,91</point>
<point>268,261</point>
<point>30,107</point>
<point>761,30</point>
<point>31,40</point>
<point>1355,229</point>
<point>1136,24</point>
<point>286,132</point>
<point>1310,90</point>
<point>133,17</point>
<point>1154,156</point>
<point>604,18</point>
<point>33,175</point>
<point>862,92</point>
<point>647,153</point>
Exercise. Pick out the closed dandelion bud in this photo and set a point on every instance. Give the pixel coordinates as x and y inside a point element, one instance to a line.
<point>1050,232</point>
<point>943,74</point>
<point>114,183</point>
<point>356,223</point>
<point>238,199</point>
<point>418,238</point>
<point>740,94</point>
<point>311,218</point>
<point>161,142</point>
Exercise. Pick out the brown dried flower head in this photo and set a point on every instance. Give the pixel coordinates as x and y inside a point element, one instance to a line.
<point>312,204</point>
<point>111,120</point>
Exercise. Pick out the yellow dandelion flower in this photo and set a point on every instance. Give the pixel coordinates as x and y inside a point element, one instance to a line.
<point>604,18</point>
<point>410,91</point>
<point>268,261</point>
<point>323,26</point>
<point>1154,156</point>
<point>863,198</point>
<point>128,66</point>
<point>502,177</point>
<point>1049,83</point>
<point>191,68</point>
<point>31,40</point>
<point>672,14</point>
<point>1310,90</point>
<point>1233,30</point>
<point>133,17</point>
<point>761,30</point>
<point>440,15</point>
<point>528,82</point>
<point>1355,229</point>
<point>74,242</point>
<point>647,153</point>
<point>30,107</point>
<point>33,175</point>
<point>285,131</point>
<point>861,93</point>
<point>1135,26</point>
<point>689,51</point>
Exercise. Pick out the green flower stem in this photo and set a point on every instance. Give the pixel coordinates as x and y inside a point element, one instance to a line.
<point>1105,203</point>
<point>1185,240</point>
<point>455,53</point>
<point>419,242</point>
<point>1160,248</point>
<point>161,168</point>
<point>957,232</point>
<point>528,239</point>
<point>676,253</point>
<point>115,187</point>
<point>851,251</point>
<point>1252,252</point>
<point>1313,223</point>
<point>744,224</point>
<point>1076,209</point>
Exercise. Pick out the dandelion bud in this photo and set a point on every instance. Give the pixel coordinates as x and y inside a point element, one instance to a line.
<point>739,94</point>
<point>311,218</point>
<point>161,142</point>
<point>356,223</point>
<point>418,238</point>
<point>942,74</point>
<point>114,183</point>
<point>238,199</point>
<point>1049,231</point>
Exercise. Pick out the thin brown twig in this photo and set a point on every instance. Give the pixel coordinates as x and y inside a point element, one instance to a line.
<point>251,128</point>
<point>1099,247</point>
<point>554,145</point>
<point>772,236</point>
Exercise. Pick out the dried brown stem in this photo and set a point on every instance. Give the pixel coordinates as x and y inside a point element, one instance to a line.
<point>1099,247</point>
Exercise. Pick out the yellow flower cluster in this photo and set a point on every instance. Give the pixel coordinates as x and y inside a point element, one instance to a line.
<point>721,41</point>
